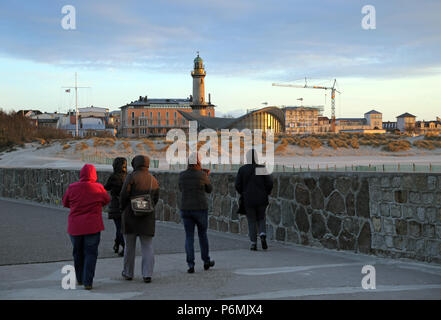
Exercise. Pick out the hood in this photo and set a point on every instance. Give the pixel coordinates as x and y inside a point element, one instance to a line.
<point>251,157</point>
<point>88,173</point>
<point>194,161</point>
<point>119,165</point>
<point>140,162</point>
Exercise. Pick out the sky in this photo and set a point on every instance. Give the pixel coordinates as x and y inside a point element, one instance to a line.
<point>125,49</point>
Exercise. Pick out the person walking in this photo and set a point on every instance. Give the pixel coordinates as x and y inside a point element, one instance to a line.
<point>193,184</point>
<point>139,183</point>
<point>85,222</point>
<point>114,185</point>
<point>254,189</point>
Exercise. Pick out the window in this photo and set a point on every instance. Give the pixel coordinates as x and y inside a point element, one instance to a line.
<point>142,114</point>
<point>133,131</point>
<point>133,122</point>
<point>209,113</point>
<point>151,115</point>
<point>166,114</point>
<point>175,115</point>
<point>133,115</point>
<point>167,122</point>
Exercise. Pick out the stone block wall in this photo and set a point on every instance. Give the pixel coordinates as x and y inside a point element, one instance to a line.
<point>395,215</point>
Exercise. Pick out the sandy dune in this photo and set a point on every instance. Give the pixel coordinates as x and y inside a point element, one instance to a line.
<point>57,155</point>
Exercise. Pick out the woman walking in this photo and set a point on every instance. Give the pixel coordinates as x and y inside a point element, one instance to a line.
<point>85,222</point>
<point>254,189</point>
<point>139,184</point>
<point>114,185</point>
<point>193,184</point>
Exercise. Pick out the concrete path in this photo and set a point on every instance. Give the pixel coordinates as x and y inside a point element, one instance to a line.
<point>35,247</point>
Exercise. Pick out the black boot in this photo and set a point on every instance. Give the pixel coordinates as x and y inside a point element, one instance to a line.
<point>116,246</point>
<point>121,253</point>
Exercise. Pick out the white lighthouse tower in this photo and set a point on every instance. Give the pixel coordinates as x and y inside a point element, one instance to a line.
<point>198,103</point>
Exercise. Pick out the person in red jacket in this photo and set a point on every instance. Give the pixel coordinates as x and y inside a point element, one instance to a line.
<point>85,222</point>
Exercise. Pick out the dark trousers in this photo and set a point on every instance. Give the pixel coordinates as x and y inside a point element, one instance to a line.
<point>192,218</point>
<point>85,253</point>
<point>256,222</point>
<point>119,239</point>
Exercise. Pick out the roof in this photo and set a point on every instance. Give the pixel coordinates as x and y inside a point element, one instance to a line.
<point>352,119</point>
<point>406,115</point>
<point>147,102</point>
<point>217,123</point>
<point>373,112</point>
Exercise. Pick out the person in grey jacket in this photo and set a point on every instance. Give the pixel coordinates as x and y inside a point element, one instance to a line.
<point>193,184</point>
<point>138,182</point>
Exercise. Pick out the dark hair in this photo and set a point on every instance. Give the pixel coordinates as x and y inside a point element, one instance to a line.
<point>119,164</point>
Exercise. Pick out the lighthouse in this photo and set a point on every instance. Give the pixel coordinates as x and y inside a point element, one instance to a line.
<point>198,103</point>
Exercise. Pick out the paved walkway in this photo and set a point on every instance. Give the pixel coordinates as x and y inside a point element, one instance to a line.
<point>35,248</point>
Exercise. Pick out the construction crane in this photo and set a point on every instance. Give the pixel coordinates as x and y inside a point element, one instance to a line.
<point>333,91</point>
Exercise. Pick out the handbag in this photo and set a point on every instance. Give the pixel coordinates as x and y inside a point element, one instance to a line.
<point>142,205</point>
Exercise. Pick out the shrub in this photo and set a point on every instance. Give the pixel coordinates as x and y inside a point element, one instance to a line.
<point>432,136</point>
<point>81,146</point>
<point>427,144</point>
<point>310,142</point>
<point>103,142</point>
<point>354,143</point>
<point>398,145</point>
<point>17,130</point>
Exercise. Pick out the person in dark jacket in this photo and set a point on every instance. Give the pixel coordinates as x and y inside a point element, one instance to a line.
<point>85,199</point>
<point>114,185</point>
<point>254,190</point>
<point>138,182</point>
<point>193,184</point>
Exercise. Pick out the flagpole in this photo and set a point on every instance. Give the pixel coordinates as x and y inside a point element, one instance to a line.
<point>76,103</point>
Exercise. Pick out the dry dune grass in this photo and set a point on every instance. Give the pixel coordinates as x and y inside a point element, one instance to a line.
<point>398,145</point>
<point>427,144</point>
<point>66,146</point>
<point>433,136</point>
<point>149,143</point>
<point>103,142</point>
<point>81,146</point>
<point>310,142</point>
<point>125,146</point>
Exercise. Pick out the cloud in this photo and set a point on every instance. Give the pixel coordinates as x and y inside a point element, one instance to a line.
<point>252,38</point>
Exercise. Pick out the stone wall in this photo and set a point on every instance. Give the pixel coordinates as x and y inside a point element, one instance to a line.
<point>396,215</point>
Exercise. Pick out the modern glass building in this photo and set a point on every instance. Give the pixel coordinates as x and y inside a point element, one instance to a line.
<point>269,118</point>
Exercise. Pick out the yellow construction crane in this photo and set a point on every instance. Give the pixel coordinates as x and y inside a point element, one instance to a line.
<point>333,91</point>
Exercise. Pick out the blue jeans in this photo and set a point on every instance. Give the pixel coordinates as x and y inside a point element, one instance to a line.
<point>85,253</point>
<point>200,219</point>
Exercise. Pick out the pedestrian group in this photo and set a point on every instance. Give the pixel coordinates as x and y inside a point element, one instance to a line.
<point>132,200</point>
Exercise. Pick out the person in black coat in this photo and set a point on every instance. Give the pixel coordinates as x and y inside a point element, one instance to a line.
<point>114,184</point>
<point>255,190</point>
<point>194,183</point>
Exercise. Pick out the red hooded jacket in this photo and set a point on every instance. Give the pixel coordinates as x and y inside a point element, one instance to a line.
<point>85,200</point>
